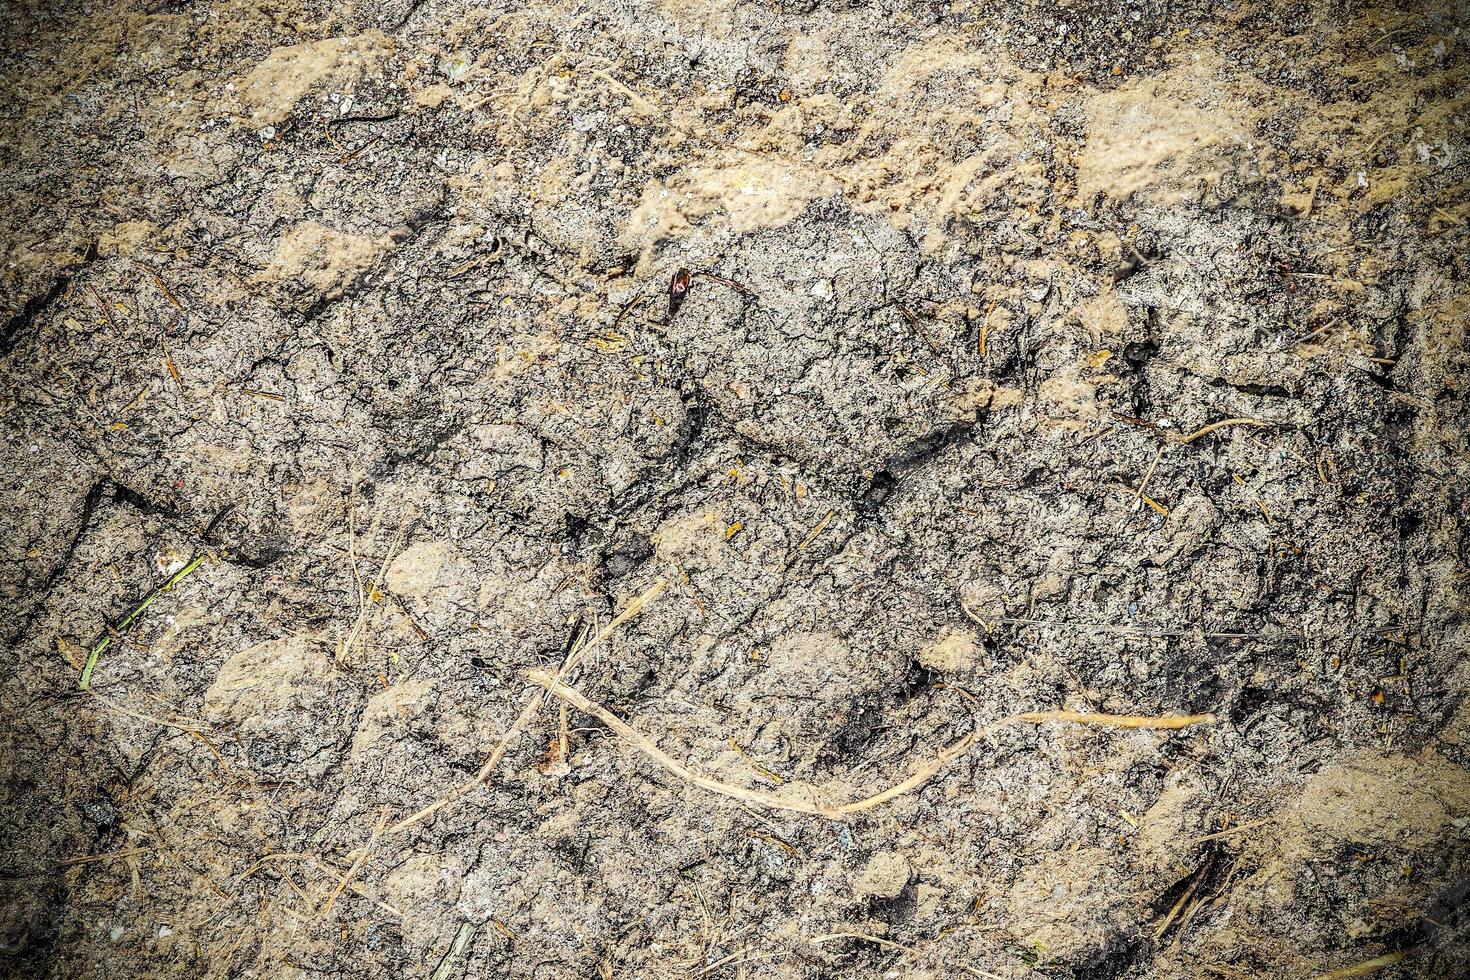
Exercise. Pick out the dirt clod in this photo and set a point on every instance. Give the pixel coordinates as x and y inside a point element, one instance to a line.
<point>1100,367</point>
<point>884,876</point>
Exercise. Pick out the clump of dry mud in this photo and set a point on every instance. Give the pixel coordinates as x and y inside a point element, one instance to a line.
<point>346,298</point>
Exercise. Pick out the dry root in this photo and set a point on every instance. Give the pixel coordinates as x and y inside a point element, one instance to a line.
<point>812,801</point>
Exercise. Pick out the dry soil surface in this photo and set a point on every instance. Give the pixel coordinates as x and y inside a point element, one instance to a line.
<point>357,314</point>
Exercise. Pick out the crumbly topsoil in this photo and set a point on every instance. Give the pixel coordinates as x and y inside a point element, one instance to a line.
<point>345,298</point>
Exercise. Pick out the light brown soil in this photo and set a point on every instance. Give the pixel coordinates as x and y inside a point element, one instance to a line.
<point>344,298</point>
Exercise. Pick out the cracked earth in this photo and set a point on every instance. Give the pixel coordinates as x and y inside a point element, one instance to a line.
<point>366,305</point>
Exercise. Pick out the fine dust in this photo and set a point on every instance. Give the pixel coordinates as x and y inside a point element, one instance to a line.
<point>366,306</point>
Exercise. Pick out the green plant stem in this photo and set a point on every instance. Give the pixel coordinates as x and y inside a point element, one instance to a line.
<point>127,620</point>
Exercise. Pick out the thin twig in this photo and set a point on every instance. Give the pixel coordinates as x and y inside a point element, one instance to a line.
<point>110,855</point>
<point>646,745</point>
<point>532,706</point>
<point>926,772</point>
<point>1201,433</point>
<point>456,950</point>
<point>1118,721</point>
<point>812,534</point>
<point>330,872</point>
<point>530,709</point>
<point>1117,628</point>
<point>1149,475</point>
<point>628,308</point>
<point>725,959</point>
<point>365,600</point>
<point>975,971</point>
<point>1364,968</point>
<point>194,729</point>
<point>356,865</point>
<point>1234,830</point>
